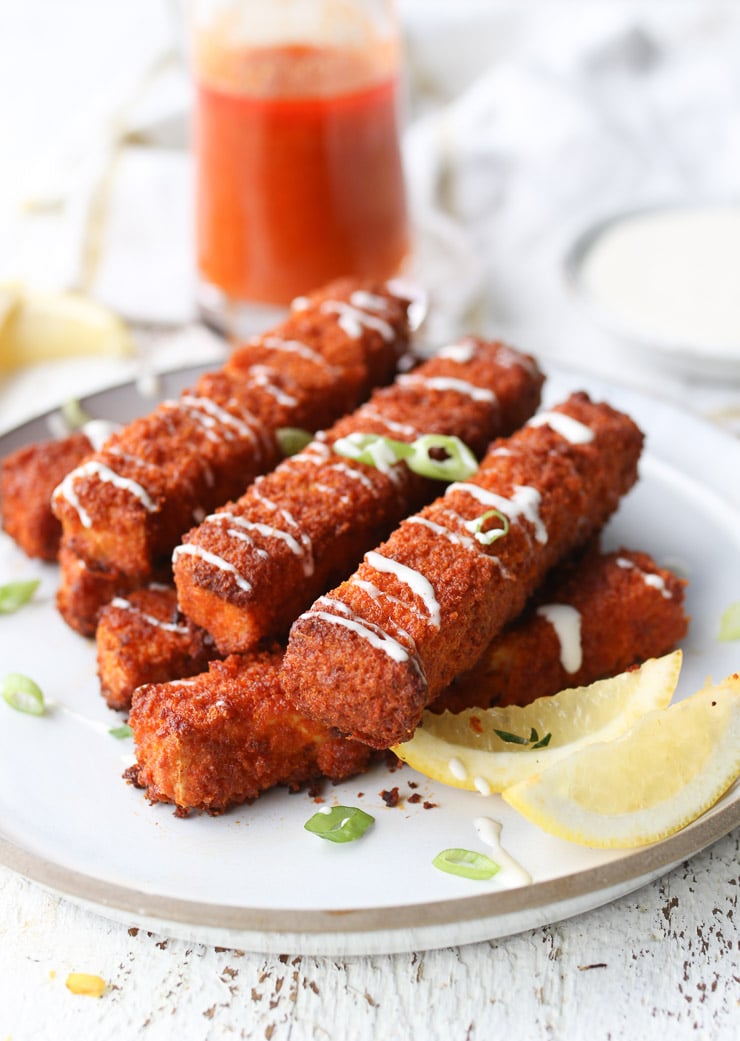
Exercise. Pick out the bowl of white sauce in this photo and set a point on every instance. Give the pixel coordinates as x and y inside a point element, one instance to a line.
<point>666,279</point>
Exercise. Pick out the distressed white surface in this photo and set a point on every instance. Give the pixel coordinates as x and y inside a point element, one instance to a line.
<point>661,963</point>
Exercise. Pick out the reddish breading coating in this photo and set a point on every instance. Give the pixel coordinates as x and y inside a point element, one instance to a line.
<point>85,589</point>
<point>143,638</point>
<point>250,568</point>
<point>127,506</point>
<point>370,656</point>
<point>29,476</point>
<point>224,737</point>
<point>625,610</point>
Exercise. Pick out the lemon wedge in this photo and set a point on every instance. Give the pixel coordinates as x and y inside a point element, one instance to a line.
<point>44,326</point>
<point>651,782</point>
<point>464,749</point>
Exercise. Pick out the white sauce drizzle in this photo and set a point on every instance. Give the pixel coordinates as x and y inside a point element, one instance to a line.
<point>276,343</point>
<point>417,583</point>
<point>457,769</point>
<point>443,383</point>
<point>566,621</point>
<point>572,430</point>
<point>482,785</point>
<point>654,581</point>
<point>372,412</point>
<point>212,417</point>
<point>525,502</point>
<point>462,352</point>
<point>259,376</point>
<point>214,560</point>
<point>368,301</point>
<point>489,832</point>
<point>170,627</point>
<point>65,490</point>
<point>373,633</point>
<point>455,537</point>
<point>355,475</point>
<point>352,320</point>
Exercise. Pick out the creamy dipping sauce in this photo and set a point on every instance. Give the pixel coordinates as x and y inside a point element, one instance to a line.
<point>671,274</point>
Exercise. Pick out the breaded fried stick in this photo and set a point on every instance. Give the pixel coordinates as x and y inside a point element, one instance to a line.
<point>370,656</point>
<point>593,618</point>
<point>252,567</point>
<point>631,610</point>
<point>143,638</point>
<point>225,736</point>
<point>126,507</point>
<point>29,476</point>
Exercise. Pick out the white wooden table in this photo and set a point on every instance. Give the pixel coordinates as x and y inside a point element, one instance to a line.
<point>662,962</point>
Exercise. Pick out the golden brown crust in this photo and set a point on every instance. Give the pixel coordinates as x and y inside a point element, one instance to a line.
<point>84,590</point>
<point>127,507</point>
<point>29,476</point>
<point>224,737</point>
<point>252,567</point>
<point>629,610</point>
<point>374,683</point>
<point>143,638</point>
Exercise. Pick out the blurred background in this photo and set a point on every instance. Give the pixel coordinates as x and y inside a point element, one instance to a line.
<point>525,123</point>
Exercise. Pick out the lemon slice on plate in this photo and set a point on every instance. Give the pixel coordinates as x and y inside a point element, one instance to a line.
<point>44,326</point>
<point>651,782</point>
<point>488,750</point>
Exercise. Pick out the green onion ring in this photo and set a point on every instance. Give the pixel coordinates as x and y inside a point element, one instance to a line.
<point>74,414</point>
<point>380,451</point>
<point>487,537</point>
<point>292,440</point>
<point>339,824</point>
<point>15,594</point>
<point>466,863</point>
<point>23,694</point>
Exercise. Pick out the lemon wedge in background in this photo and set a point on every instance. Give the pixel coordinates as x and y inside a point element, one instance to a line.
<point>464,749</point>
<point>651,782</point>
<point>40,326</point>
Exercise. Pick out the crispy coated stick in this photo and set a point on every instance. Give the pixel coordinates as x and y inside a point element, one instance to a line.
<point>593,618</point>
<point>252,567</point>
<point>29,476</point>
<point>226,736</point>
<point>84,589</point>
<point>630,613</point>
<point>126,508</point>
<point>143,638</point>
<point>370,656</point>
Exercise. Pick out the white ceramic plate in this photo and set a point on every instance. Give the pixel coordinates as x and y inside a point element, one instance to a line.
<point>254,878</point>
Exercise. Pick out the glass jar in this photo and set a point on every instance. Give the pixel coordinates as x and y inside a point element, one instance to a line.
<point>296,139</point>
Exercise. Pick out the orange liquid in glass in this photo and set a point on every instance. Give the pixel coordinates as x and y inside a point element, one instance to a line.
<point>296,190</point>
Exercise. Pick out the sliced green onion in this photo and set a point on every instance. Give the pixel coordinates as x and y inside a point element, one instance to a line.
<point>543,742</point>
<point>467,863</point>
<point>124,730</point>
<point>372,449</point>
<point>22,694</point>
<point>459,461</point>
<point>339,824</point>
<point>15,594</point>
<point>292,440</point>
<point>729,626</point>
<point>381,452</point>
<point>74,414</point>
<point>487,537</point>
